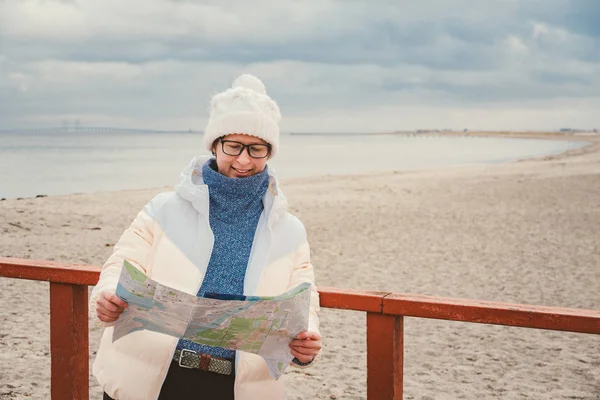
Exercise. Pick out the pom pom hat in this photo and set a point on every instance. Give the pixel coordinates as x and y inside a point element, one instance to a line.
<point>245,108</point>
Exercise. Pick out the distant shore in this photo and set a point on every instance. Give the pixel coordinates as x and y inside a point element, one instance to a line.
<point>556,135</point>
<point>385,153</point>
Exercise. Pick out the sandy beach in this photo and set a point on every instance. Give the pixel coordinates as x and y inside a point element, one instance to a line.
<point>526,232</point>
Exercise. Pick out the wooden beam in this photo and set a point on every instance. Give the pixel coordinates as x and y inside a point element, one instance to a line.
<point>49,271</point>
<point>348,299</point>
<point>486,312</point>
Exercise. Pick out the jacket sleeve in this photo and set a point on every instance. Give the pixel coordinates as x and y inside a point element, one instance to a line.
<point>135,246</point>
<point>303,272</point>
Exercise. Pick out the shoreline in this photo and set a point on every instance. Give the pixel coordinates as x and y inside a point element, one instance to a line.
<point>514,134</point>
<point>593,144</point>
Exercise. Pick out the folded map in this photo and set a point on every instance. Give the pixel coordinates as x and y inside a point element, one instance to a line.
<point>259,325</point>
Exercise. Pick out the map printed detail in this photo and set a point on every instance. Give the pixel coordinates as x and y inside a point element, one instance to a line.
<point>259,325</point>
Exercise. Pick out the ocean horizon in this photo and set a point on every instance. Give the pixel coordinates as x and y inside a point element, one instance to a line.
<point>42,164</point>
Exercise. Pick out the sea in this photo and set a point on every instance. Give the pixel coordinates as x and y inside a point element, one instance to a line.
<point>43,163</point>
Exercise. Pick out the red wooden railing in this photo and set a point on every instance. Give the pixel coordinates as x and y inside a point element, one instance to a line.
<point>69,346</point>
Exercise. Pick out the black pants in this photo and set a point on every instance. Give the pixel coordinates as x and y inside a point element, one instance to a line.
<point>184,383</point>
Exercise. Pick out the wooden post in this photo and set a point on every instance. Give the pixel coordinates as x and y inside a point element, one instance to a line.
<point>69,343</point>
<point>385,356</point>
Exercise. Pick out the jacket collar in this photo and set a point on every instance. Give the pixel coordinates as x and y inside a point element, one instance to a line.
<point>193,189</point>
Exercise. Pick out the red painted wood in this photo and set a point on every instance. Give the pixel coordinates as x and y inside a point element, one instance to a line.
<point>483,312</point>
<point>385,356</point>
<point>69,343</point>
<point>49,271</point>
<point>587,321</point>
<point>348,299</point>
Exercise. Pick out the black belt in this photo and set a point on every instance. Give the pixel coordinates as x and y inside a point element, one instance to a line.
<point>205,362</point>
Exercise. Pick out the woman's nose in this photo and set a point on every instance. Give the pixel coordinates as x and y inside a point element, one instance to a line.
<point>244,158</point>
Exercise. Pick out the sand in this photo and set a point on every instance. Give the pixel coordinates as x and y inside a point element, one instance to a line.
<point>526,232</point>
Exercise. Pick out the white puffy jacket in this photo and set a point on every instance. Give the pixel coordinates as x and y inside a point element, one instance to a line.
<point>171,241</point>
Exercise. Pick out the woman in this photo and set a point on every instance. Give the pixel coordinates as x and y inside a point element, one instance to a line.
<point>224,229</point>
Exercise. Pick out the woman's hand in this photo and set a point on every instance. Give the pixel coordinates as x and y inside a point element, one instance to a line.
<point>306,346</point>
<point>109,307</point>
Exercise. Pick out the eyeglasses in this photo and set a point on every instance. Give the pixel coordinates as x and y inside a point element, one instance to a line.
<point>233,148</point>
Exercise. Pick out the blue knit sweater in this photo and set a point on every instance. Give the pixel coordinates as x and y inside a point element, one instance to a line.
<point>234,210</point>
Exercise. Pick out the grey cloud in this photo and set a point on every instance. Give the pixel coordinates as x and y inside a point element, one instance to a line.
<point>326,55</point>
<point>558,78</point>
<point>435,35</point>
<point>383,45</point>
<point>578,16</point>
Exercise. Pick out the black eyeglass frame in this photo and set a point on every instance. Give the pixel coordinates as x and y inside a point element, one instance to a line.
<point>244,147</point>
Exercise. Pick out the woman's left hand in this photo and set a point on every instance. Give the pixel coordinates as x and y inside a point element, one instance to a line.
<point>306,346</point>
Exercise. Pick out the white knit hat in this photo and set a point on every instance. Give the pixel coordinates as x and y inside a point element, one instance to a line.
<point>245,109</point>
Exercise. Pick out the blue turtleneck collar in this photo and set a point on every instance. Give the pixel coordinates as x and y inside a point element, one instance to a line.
<point>234,199</point>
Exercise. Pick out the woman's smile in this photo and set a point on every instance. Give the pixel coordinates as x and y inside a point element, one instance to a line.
<point>242,172</point>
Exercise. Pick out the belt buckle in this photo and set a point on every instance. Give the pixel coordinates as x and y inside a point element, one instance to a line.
<point>181,357</point>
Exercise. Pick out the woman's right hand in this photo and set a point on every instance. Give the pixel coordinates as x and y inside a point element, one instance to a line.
<point>109,307</point>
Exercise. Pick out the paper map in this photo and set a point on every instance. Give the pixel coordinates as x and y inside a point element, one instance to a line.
<point>260,325</point>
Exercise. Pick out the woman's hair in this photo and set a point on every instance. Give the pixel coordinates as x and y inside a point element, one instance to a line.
<point>214,143</point>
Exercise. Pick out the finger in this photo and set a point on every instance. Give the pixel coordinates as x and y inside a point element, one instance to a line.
<point>304,350</point>
<point>102,317</point>
<point>302,335</point>
<point>305,342</point>
<point>309,344</point>
<point>298,355</point>
<point>302,358</point>
<point>118,301</point>
<point>307,352</point>
<point>113,298</point>
<point>109,297</point>
<point>108,314</point>
<point>308,335</point>
<point>108,305</point>
<point>105,318</point>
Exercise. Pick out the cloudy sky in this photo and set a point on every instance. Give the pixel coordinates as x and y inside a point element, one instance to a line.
<point>332,66</point>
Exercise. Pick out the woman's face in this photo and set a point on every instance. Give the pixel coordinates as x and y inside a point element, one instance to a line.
<point>243,165</point>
